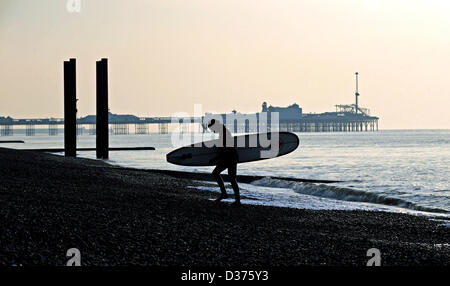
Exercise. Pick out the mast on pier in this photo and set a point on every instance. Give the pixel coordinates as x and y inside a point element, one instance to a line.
<point>356,94</point>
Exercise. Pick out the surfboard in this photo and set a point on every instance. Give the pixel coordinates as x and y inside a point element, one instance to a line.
<point>250,147</point>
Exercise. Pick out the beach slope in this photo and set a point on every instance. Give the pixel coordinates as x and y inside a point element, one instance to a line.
<point>120,216</point>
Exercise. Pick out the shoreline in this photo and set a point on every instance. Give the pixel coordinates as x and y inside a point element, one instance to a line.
<point>120,216</point>
<point>201,176</point>
<point>250,179</point>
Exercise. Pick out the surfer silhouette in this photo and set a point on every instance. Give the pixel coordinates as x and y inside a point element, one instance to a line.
<point>227,159</point>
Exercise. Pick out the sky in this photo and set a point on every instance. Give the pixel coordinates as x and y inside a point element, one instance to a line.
<point>167,55</point>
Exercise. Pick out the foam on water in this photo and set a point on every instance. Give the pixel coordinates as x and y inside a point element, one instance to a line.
<point>281,197</point>
<point>343,194</point>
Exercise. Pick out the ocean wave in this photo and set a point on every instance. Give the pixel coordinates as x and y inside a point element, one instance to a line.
<point>342,193</point>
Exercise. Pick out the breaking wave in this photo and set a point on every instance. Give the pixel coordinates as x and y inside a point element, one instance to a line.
<point>343,193</point>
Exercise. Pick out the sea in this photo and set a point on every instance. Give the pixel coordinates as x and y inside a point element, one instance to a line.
<point>404,171</point>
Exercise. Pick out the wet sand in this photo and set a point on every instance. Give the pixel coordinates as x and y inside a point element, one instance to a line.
<point>118,216</point>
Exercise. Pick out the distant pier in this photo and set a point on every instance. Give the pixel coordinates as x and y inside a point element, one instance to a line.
<point>346,118</point>
<point>117,125</point>
<point>343,121</point>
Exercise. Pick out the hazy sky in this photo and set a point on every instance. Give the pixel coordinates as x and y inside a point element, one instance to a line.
<point>166,55</point>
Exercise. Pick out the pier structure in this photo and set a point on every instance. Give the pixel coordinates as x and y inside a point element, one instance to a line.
<point>346,118</point>
<point>324,122</point>
<point>163,128</point>
<point>141,128</point>
<point>331,124</point>
<point>120,129</point>
<point>92,130</point>
<point>29,130</point>
<point>117,124</point>
<point>341,121</point>
<point>52,128</point>
<point>7,129</point>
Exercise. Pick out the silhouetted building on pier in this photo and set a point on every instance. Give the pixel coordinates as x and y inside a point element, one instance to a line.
<point>292,112</point>
<point>347,117</point>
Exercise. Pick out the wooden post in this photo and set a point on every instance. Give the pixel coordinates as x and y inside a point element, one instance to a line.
<point>70,108</point>
<point>102,110</point>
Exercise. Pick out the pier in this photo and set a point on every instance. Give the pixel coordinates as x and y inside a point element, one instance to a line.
<point>324,122</point>
<point>117,124</point>
<point>346,117</point>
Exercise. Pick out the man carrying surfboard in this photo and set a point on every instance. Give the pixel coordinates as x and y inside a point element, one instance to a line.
<point>226,159</point>
<point>228,151</point>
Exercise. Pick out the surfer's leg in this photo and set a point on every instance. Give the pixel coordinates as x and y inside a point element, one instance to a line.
<point>232,170</point>
<point>216,173</point>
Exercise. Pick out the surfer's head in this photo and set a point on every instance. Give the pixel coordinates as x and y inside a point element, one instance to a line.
<point>214,125</point>
<point>211,123</point>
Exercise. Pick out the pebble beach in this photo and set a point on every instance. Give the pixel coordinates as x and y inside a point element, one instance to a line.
<point>118,216</point>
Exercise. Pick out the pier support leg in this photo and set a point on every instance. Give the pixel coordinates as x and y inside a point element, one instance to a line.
<point>29,130</point>
<point>79,129</point>
<point>102,140</point>
<point>163,128</point>
<point>141,128</point>
<point>6,130</point>
<point>70,108</point>
<point>120,129</point>
<point>92,130</point>
<point>52,129</point>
